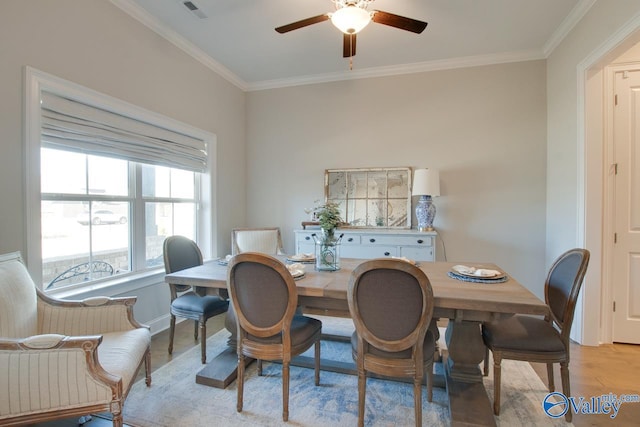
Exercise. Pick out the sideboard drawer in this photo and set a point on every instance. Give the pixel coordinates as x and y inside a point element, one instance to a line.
<point>378,239</point>
<point>417,253</point>
<point>306,237</point>
<point>368,251</point>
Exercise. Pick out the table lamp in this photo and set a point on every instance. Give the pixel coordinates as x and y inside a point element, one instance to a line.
<point>426,184</point>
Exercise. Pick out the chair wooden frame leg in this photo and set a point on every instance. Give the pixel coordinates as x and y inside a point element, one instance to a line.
<point>417,399</point>
<point>430,382</point>
<point>240,381</point>
<point>195,330</point>
<point>552,386</point>
<point>317,365</point>
<point>117,420</point>
<point>147,368</point>
<point>285,390</point>
<point>362,389</point>
<point>486,362</point>
<point>203,340</point>
<point>172,330</point>
<point>566,388</point>
<point>497,359</point>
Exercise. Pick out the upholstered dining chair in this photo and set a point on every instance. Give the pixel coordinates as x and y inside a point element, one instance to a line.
<point>265,240</point>
<point>264,297</point>
<point>181,253</point>
<point>391,303</point>
<point>543,340</point>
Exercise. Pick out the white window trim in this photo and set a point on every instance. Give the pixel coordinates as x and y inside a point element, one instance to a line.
<point>37,81</point>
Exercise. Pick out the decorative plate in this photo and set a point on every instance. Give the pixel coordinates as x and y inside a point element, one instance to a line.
<point>477,273</point>
<point>476,279</point>
<point>302,258</point>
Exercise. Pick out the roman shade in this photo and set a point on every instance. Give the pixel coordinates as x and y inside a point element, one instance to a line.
<point>72,125</point>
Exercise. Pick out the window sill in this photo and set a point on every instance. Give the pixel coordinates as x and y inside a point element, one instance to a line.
<point>122,285</point>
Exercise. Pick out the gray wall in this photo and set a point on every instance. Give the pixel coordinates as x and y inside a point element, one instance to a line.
<point>95,44</point>
<point>483,127</point>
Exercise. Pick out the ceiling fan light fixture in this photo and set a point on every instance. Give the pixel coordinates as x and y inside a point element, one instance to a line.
<point>350,19</point>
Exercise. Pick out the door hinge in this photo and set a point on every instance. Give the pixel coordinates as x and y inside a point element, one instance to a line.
<point>614,306</point>
<point>615,169</point>
<point>615,99</point>
<point>615,237</point>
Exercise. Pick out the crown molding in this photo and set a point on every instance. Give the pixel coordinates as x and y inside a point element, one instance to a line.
<point>144,17</point>
<point>180,42</point>
<point>419,67</point>
<point>576,14</point>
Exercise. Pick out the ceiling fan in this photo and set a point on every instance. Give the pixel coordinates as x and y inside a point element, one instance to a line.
<point>351,16</point>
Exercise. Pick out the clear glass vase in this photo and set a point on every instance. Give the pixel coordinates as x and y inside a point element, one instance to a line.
<point>327,248</point>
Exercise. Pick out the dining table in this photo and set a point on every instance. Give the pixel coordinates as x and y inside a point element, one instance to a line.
<point>465,303</point>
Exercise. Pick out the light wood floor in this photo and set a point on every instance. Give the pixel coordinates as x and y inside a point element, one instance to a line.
<point>595,371</point>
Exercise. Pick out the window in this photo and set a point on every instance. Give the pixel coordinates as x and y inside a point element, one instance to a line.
<point>87,208</point>
<point>107,198</point>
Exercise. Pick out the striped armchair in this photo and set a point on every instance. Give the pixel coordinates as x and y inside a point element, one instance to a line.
<point>64,358</point>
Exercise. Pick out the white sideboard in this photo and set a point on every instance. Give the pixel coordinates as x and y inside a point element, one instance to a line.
<point>367,243</point>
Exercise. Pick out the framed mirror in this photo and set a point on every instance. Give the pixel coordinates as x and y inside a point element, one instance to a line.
<point>371,198</point>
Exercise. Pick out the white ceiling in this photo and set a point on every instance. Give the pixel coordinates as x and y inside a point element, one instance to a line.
<point>238,40</point>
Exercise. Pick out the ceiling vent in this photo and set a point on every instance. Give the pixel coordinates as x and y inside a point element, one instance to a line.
<point>194,9</point>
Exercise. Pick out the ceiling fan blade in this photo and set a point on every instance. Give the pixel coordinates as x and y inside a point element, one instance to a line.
<point>349,45</point>
<point>398,21</point>
<point>303,23</point>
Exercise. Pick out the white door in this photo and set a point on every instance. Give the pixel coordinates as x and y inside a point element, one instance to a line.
<point>626,251</point>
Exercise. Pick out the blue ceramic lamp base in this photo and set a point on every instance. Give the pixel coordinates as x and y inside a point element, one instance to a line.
<point>425,213</point>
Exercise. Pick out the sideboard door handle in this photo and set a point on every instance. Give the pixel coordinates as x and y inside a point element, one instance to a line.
<point>387,254</point>
<point>420,241</point>
<point>372,240</point>
<point>307,238</point>
<point>350,239</point>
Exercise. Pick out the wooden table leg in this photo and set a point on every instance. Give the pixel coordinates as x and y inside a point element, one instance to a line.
<point>469,403</point>
<point>223,369</point>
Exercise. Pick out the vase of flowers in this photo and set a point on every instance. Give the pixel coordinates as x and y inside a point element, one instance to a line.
<point>328,244</point>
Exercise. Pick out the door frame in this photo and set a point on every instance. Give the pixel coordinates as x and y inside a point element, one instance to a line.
<point>594,209</point>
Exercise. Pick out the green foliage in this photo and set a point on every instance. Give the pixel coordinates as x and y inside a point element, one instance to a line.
<point>329,216</point>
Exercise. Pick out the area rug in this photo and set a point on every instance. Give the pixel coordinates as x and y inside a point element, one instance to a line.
<point>174,398</point>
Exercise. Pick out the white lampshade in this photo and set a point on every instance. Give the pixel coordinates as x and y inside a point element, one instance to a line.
<point>426,182</point>
<point>350,19</point>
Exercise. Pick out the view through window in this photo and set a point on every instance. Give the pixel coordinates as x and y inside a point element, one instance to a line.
<point>103,216</point>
